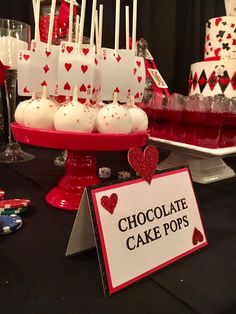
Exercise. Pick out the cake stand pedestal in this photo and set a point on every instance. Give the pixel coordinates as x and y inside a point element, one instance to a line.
<point>205,164</point>
<point>80,167</point>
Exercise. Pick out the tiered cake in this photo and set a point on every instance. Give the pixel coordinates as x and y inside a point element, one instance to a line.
<point>217,73</point>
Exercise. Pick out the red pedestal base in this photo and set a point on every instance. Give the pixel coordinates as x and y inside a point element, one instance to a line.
<point>80,172</point>
<point>80,169</point>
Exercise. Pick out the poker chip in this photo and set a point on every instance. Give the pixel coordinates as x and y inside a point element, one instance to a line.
<point>14,203</point>
<point>2,193</point>
<point>9,223</point>
<point>10,211</point>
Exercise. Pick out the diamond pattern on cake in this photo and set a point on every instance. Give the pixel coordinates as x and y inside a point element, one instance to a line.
<point>195,79</point>
<point>233,81</point>
<point>202,81</point>
<point>212,81</point>
<point>224,81</point>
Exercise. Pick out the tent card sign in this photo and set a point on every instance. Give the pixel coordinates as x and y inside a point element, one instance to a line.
<point>23,73</point>
<point>138,227</point>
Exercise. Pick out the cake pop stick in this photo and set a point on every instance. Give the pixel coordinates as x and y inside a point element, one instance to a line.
<point>96,30</point>
<point>82,18</point>
<point>117,27</point>
<point>51,22</point>
<point>127,26</point>
<point>77,28</point>
<point>134,27</point>
<point>36,19</point>
<point>100,28</point>
<point>70,21</point>
<point>93,22</point>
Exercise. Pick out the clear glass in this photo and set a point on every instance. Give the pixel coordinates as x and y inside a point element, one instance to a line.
<point>14,36</point>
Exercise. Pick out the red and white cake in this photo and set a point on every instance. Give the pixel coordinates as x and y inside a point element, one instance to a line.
<point>217,73</point>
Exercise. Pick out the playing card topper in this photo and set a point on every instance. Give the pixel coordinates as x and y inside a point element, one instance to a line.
<point>77,69</point>
<point>138,227</point>
<point>23,73</point>
<point>119,74</point>
<point>43,67</point>
<point>158,79</point>
<point>230,7</point>
<point>139,78</point>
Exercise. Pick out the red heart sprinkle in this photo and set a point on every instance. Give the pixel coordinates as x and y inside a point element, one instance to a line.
<point>26,57</point>
<point>69,49</point>
<point>84,68</point>
<point>67,86</point>
<point>85,51</point>
<point>144,163</point>
<point>68,66</point>
<point>82,88</point>
<point>109,203</point>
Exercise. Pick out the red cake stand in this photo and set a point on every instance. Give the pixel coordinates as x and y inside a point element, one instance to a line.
<point>80,168</point>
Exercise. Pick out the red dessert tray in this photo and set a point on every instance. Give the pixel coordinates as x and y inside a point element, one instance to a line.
<point>80,168</point>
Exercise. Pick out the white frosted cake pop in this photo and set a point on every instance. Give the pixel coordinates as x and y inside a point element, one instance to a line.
<point>74,117</point>
<point>139,119</point>
<point>20,109</point>
<point>114,119</point>
<point>39,114</point>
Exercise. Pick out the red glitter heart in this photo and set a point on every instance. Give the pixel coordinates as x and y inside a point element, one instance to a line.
<point>85,51</point>
<point>25,90</point>
<point>47,53</point>
<point>69,49</point>
<point>44,83</point>
<point>82,88</point>
<point>68,66</point>
<point>67,86</point>
<point>138,63</point>
<point>84,68</point>
<point>26,57</point>
<point>109,203</point>
<point>197,236</point>
<point>144,163</point>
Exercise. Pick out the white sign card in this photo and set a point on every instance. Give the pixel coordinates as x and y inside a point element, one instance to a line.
<point>138,227</point>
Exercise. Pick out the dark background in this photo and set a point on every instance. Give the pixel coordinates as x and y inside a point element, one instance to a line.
<point>174,29</point>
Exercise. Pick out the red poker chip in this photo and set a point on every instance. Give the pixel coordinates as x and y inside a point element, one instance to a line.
<point>14,203</point>
<point>2,193</point>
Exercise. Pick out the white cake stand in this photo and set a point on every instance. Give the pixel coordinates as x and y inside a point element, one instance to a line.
<point>205,164</point>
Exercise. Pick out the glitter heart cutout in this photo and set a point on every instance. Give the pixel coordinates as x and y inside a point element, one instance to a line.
<point>109,203</point>
<point>144,163</point>
<point>197,236</point>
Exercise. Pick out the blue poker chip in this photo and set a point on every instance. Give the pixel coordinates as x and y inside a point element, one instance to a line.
<point>10,223</point>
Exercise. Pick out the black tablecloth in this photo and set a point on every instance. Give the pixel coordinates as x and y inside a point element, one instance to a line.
<point>36,277</point>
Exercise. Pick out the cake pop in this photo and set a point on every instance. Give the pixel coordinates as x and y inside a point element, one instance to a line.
<point>20,109</point>
<point>74,117</point>
<point>39,114</point>
<point>114,119</point>
<point>138,116</point>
